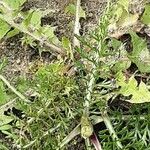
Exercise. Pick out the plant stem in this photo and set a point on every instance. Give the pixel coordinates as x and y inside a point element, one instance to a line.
<point>14,90</point>
<point>112,132</point>
<point>77,24</point>
<point>87,143</point>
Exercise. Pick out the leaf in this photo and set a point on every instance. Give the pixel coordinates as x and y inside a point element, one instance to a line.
<point>33,19</point>
<point>48,33</point>
<point>146,15</point>
<point>4,28</point>
<point>127,20</point>
<point>130,87</point>
<point>12,33</point>
<point>15,4</point>
<point>120,78</point>
<point>140,54</point>
<point>67,46</point>
<point>124,4</point>
<point>71,9</point>
<point>5,120</point>
<point>3,96</point>
<point>123,21</point>
<point>141,95</point>
<point>121,65</point>
<point>5,127</point>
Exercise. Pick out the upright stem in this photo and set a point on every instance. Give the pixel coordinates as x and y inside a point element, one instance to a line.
<point>77,24</point>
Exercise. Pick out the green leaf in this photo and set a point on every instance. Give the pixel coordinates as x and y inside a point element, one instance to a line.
<point>48,33</point>
<point>67,46</point>
<point>15,4</point>
<point>121,65</point>
<point>3,96</point>
<point>71,9</point>
<point>128,88</point>
<point>140,54</point>
<point>4,28</point>
<point>33,19</point>
<point>146,15</point>
<point>123,61</point>
<point>124,4</point>
<point>12,33</point>
<point>141,95</point>
<point>5,127</point>
<point>5,120</point>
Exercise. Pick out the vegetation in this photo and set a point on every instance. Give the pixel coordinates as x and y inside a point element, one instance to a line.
<point>75,95</point>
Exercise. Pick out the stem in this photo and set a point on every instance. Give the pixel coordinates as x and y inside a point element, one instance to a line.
<point>77,24</point>
<point>87,143</point>
<point>14,90</point>
<point>112,132</point>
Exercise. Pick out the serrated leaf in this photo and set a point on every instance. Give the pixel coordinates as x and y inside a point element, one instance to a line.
<point>48,33</point>
<point>121,65</point>
<point>128,88</point>
<point>14,4</point>
<point>141,95</point>
<point>140,54</point>
<point>120,78</point>
<point>146,15</point>
<point>4,28</point>
<point>127,19</point>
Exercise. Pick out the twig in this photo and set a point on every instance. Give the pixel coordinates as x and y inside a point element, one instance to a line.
<point>14,90</point>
